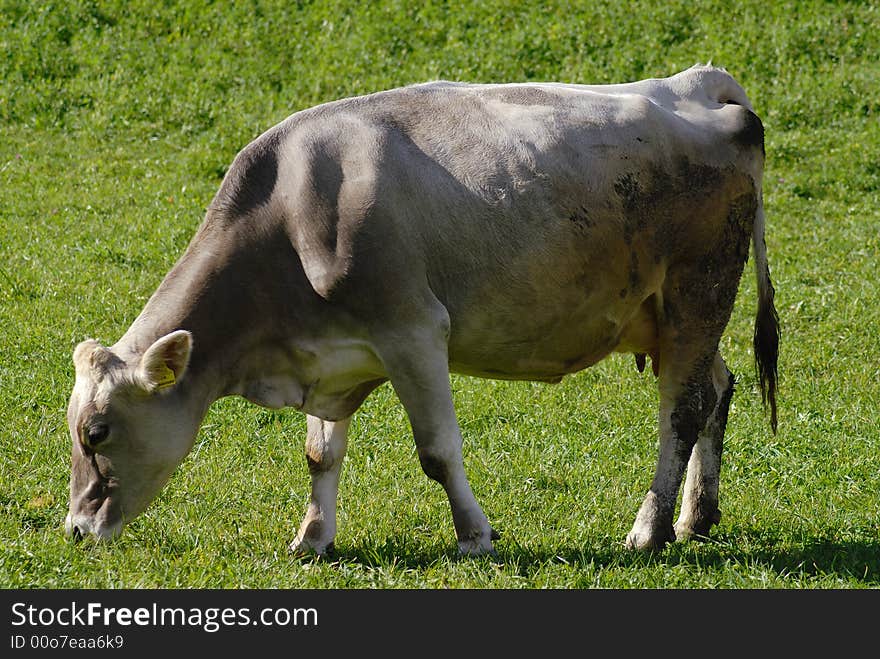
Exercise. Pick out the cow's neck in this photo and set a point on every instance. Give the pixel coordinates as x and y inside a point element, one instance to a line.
<point>219,291</point>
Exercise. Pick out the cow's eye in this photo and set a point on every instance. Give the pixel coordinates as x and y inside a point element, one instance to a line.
<point>97,433</point>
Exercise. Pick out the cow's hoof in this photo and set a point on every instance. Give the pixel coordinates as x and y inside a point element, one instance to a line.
<point>478,544</point>
<point>302,548</point>
<point>698,528</point>
<point>687,533</point>
<point>641,541</point>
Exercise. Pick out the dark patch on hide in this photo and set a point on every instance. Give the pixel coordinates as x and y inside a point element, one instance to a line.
<point>692,410</point>
<point>662,197</point>
<point>635,205</point>
<point>315,466</point>
<point>581,218</point>
<point>724,404</point>
<point>627,188</point>
<point>720,268</point>
<point>751,132</point>
<point>700,179</point>
<point>707,506</point>
<point>701,292</point>
<point>634,279</point>
<point>740,223</point>
<point>251,179</point>
<point>660,205</point>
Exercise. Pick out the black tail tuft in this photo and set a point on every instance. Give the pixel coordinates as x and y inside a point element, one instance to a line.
<point>767,348</point>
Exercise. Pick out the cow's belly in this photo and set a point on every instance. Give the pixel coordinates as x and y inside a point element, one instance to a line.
<point>525,345</point>
<point>545,313</point>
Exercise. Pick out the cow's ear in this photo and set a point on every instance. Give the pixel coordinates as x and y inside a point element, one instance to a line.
<point>164,363</point>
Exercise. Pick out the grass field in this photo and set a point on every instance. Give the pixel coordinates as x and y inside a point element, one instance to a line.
<point>117,122</point>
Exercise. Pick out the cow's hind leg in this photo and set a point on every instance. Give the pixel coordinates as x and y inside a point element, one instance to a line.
<point>699,504</point>
<point>694,307</point>
<point>686,399</point>
<point>418,368</point>
<point>326,444</point>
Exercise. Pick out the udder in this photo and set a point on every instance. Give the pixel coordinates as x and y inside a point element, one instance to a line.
<point>641,334</point>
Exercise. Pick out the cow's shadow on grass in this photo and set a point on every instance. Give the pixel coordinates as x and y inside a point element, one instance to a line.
<point>852,561</point>
<point>856,561</point>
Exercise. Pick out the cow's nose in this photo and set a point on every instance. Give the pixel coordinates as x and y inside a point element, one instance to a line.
<point>72,529</point>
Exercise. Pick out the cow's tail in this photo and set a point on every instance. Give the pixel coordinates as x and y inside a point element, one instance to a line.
<point>766,341</point>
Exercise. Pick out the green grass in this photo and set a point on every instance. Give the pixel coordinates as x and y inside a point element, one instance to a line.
<point>117,122</point>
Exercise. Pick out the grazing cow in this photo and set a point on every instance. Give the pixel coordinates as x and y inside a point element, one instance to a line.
<point>517,231</point>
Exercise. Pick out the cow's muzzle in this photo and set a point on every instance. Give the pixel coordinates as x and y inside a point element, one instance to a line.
<point>78,527</point>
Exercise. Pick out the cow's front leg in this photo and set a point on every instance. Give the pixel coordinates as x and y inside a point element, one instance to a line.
<point>699,503</point>
<point>326,444</point>
<point>685,404</point>
<point>419,371</point>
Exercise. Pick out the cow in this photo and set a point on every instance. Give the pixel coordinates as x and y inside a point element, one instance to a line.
<point>519,231</point>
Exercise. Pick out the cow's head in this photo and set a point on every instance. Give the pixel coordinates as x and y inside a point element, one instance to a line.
<point>130,428</point>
